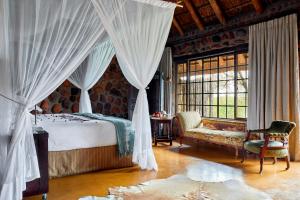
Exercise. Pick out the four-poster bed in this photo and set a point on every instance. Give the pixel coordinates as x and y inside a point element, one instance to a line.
<point>43,42</point>
<point>79,144</point>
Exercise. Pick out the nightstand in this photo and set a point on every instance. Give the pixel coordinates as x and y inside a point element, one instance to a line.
<point>155,125</point>
<point>40,185</point>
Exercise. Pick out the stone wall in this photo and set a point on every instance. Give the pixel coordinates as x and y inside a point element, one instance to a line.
<point>108,96</point>
<point>217,41</point>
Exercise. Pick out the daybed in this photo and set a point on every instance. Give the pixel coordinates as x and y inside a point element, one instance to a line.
<point>216,131</point>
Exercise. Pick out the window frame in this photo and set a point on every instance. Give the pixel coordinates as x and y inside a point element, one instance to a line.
<point>176,87</point>
<point>235,80</point>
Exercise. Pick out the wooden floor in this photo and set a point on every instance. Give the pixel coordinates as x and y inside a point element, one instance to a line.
<point>171,160</point>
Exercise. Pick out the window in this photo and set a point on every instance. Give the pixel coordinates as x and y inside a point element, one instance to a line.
<point>214,86</point>
<point>181,87</point>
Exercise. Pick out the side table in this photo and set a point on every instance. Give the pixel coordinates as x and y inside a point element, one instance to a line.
<point>40,185</point>
<point>155,125</point>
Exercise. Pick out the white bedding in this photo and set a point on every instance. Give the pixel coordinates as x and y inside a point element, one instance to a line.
<point>68,132</point>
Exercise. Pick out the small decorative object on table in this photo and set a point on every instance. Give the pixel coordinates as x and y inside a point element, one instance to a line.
<point>162,118</point>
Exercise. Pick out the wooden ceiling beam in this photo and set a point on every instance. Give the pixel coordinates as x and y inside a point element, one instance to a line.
<point>178,27</point>
<point>217,9</point>
<point>258,6</point>
<point>190,7</point>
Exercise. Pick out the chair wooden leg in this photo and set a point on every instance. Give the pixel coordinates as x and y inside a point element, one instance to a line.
<point>287,159</point>
<point>274,160</point>
<point>261,165</point>
<point>180,140</point>
<point>262,153</point>
<point>243,155</point>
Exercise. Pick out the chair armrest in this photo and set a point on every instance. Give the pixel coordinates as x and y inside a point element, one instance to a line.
<point>249,132</point>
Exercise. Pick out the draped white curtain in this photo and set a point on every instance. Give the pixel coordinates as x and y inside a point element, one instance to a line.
<point>138,30</point>
<point>165,66</point>
<point>90,71</point>
<point>42,43</point>
<point>274,76</point>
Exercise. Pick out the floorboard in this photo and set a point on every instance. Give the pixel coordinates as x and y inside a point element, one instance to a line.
<point>172,160</point>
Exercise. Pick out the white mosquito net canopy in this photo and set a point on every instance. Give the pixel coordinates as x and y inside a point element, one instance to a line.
<point>43,42</point>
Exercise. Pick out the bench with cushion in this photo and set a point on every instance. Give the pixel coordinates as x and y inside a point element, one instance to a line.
<point>216,131</point>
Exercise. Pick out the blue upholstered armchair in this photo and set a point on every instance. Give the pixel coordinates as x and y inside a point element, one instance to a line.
<point>274,145</point>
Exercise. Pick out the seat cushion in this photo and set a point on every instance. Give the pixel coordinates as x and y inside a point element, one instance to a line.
<point>254,146</point>
<point>233,138</point>
<point>189,120</point>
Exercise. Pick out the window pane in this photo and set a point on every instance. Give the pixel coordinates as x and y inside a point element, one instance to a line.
<point>181,99</point>
<point>214,98</point>
<point>222,99</point>
<point>222,61</point>
<point>230,73</point>
<point>230,86</point>
<point>206,75</point>
<point>181,78</point>
<point>206,64</point>
<point>230,112</point>
<point>199,65</point>
<point>222,86</point>
<point>222,111</point>
<point>241,112</point>
<point>214,75</point>
<point>230,99</point>
<point>199,109</point>
<point>230,60</point>
<point>206,87</point>
<point>192,99</point>
<point>241,99</point>
<point>181,88</point>
<point>192,67</point>
<point>198,77</point>
<point>198,88</point>
<point>214,87</point>
<point>242,85</point>
<point>206,111</point>
<point>180,108</point>
<point>242,59</point>
<point>192,107</point>
<point>192,76</point>
<point>192,87</point>
<point>242,72</point>
<point>214,62</point>
<point>214,111</point>
<point>181,68</point>
<point>222,74</point>
<point>198,99</point>
<point>207,98</point>
<point>195,65</point>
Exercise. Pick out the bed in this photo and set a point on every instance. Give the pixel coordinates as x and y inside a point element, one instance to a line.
<point>80,143</point>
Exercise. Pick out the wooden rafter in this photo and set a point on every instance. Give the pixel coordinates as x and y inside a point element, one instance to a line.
<point>178,27</point>
<point>189,6</point>
<point>258,6</point>
<point>217,9</point>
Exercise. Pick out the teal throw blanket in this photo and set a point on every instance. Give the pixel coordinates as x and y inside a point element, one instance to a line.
<point>124,130</point>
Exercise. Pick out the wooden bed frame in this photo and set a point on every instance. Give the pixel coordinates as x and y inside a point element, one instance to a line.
<point>78,161</point>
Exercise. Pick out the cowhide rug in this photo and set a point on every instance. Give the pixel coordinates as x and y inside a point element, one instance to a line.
<point>201,181</point>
